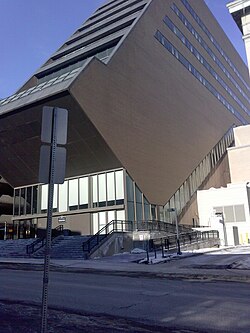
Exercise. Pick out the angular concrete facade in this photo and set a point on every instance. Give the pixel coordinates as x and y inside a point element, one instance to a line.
<point>151,88</point>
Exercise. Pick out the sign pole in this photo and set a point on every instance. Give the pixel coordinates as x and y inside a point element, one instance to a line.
<point>49,226</point>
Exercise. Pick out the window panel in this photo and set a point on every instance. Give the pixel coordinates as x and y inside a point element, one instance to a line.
<point>73,194</point>
<point>239,211</point>
<point>28,200</point>
<point>84,192</point>
<point>63,197</point>
<point>35,200</point>
<point>119,187</point>
<point>44,198</point>
<point>95,222</point>
<point>17,202</point>
<point>95,191</point>
<point>111,188</point>
<point>102,189</point>
<point>55,197</point>
<point>102,221</point>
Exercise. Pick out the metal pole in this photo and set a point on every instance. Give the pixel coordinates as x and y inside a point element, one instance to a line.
<point>49,228</point>
<point>177,233</point>
<point>224,230</point>
<point>5,230</point>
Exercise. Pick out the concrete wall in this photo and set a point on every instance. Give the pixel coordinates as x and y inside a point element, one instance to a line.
<point>219,177</point>
<point>78,224</point>
<point>232,195</point>
<point>239,156</point>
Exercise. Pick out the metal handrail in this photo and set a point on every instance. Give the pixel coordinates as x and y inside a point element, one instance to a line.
<point>108,229</point>
<point>185,238</point>
<point>31,248</point>
<point>41,242</point>
<point>155,225</point>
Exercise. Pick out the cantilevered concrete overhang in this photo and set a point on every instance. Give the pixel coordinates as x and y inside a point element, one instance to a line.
<point>20,128</point>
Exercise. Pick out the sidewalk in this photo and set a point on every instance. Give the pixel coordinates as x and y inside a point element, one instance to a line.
<point>186,266</point>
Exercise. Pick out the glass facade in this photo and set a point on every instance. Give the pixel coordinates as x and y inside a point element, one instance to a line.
<point>81,193</point>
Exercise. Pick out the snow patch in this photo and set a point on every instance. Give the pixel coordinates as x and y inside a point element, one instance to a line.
<point>137,251</point>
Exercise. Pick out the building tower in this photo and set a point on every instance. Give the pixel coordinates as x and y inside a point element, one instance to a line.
<point>240,11</point>
<point>153,89</point>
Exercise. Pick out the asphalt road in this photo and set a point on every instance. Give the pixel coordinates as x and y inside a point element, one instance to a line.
<point>199,306</point>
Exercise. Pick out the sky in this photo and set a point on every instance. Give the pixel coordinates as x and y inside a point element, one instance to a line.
<point>31,30</point>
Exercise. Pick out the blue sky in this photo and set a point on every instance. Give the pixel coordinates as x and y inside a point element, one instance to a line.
<point>31,30</point>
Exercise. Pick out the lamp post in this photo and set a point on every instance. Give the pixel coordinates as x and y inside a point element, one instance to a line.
<point>222,220</point>
<point>177,229</point>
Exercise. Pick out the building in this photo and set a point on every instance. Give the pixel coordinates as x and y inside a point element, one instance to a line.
<point>240,10</point>
<point>153,89</point>
<point>231,203</point>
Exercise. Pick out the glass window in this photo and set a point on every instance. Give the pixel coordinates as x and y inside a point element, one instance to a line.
<point>55,197</point>
<point>119,187</point>
<point>102,190</point>
<point>63,197</point>
<point>120,216</point>
<point>153,212</point>
<point>28,200</point>
<point>138,195</point>
<point>239,211</point>
<point>17,202</point>
<point>131,211</point>
<point>229,214</point>
<point>111,217</point>
<point>95,191</point>
<point>84,193</point>
<point>95,221</point>
<point>102,221</point>
<point>44,198</point>
<point>73,194</point>
<point>111,188</point>
<point>34,200</point>
<point>138,211</point>
<point>22,201</point>
<point>130,188</point>
<point>146,210</point>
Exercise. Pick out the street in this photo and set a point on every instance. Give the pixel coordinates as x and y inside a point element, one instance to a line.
<point>199,306</point>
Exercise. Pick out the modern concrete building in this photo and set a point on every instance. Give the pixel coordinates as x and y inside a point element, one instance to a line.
<point>240,10</point>
<point>153,89</point>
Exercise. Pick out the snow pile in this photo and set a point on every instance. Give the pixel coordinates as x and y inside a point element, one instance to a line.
<point>137,251</point>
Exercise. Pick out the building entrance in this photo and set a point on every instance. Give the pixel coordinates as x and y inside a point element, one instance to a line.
<point>24,229</point>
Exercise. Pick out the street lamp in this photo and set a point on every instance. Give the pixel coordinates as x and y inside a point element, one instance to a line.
<point>177,229</point>
<point>222,220</point>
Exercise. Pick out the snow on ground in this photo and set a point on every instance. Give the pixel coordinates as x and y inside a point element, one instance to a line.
<point>140,256</point>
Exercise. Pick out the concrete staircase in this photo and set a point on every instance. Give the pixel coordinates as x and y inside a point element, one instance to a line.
<point>14,248</point>
<point>64,247</point>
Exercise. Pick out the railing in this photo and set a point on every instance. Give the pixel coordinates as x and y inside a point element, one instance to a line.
<point>170,242</point>
<point>108,229</point>
<point>199,176</point>
<point>36,245</point>
<point>161,226</point>
<point>40,242</point>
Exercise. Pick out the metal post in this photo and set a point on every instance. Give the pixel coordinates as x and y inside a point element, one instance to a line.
<point>162,250</point>
<point>49,227</point>
<point>177,233</point>
<point>5,230</point>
